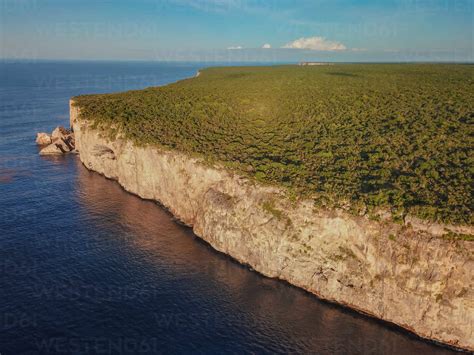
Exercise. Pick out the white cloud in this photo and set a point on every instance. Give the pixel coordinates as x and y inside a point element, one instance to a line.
<point>267,46</point>
<point>235,47</point>
<point>315,44</point>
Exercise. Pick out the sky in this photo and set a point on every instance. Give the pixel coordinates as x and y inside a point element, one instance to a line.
<point>238,30</point>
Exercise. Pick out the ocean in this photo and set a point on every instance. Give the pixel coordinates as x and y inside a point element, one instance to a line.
<point>89,268</point>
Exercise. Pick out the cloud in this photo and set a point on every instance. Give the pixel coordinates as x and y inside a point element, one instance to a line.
<point>267,46</point>
<point>315,44</point>
<point>235,47</point>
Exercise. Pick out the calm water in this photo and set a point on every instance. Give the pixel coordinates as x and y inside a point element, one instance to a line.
<point>88,268</point>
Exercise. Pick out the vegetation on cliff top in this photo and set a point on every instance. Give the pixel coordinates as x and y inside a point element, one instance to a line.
<point>358,136</point>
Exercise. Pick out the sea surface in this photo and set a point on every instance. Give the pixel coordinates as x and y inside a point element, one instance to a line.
<point>88,268</point>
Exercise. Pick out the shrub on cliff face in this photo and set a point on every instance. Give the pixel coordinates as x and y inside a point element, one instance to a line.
<point>396,136</point>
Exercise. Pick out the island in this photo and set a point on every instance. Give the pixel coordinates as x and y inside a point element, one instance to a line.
<point>351,181</point>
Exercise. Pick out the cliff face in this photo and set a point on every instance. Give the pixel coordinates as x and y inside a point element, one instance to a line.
<point>401,274</point>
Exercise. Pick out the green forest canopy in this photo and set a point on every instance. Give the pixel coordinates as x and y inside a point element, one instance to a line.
<point>357,135</point>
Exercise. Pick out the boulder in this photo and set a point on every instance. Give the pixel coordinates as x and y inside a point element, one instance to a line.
<point>52,149</point>
<point>65,143</point>
<point>61,144</point>
<point>60,133</point>
<point>70,142</point>
<point>43,138</point>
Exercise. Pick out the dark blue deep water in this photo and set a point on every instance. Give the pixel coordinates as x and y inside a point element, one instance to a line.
<point>88,268</point>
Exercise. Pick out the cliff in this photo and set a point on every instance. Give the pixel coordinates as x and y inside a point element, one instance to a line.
<point>403,274</point>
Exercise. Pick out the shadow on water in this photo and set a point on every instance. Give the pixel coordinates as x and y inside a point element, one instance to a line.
<point>218,299</point>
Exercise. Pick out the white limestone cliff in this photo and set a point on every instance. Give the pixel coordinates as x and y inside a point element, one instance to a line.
<point>402,274</point>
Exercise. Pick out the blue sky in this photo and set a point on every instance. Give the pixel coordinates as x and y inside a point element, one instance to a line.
<point>236,30</point>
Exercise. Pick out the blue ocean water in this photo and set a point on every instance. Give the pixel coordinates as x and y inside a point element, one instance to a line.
<point>88,268</point>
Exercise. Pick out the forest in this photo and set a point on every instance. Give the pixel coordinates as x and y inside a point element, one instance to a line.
<point>362,137</point>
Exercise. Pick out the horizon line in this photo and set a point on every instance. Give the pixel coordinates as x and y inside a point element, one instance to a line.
<point>227,61</point>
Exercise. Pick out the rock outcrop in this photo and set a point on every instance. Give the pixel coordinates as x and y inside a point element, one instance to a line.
<point>43,138</point>
<point>51,149</point>
<point>60,141</point>
<point>395,272</point>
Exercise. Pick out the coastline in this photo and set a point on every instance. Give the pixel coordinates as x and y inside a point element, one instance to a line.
<point>407,280</point>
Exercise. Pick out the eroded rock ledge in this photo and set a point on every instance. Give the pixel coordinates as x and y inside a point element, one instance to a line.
<point>399,273</point>
<point>61,141</point>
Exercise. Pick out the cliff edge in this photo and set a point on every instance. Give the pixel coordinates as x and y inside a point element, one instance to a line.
<point>401,273</point>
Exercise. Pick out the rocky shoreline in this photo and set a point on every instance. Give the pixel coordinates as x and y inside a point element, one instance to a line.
<point>60,141</point>
<point>408,274</point>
